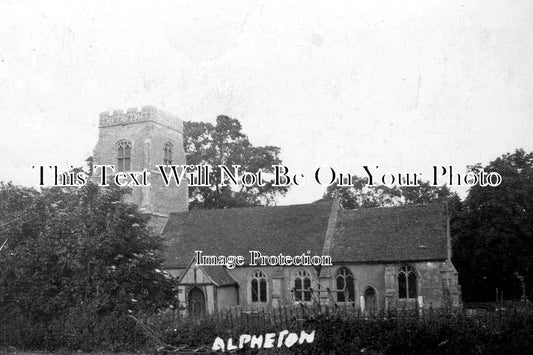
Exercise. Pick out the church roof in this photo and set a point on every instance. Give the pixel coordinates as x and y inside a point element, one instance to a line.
<point>407,233</point>
<point>291,230</point>
<point>219,275</point>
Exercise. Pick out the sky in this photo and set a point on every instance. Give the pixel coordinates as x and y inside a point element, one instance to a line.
<point>402,85</point>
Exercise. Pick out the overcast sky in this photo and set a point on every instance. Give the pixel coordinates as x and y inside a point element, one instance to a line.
<point>404,85</point>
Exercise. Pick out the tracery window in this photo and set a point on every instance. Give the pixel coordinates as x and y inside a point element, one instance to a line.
<point>124,155</point>
<point>259,287</point>
<point>302,286</point>
<point>345,285</point>
<point>407,287</point>
<point>167,153</point>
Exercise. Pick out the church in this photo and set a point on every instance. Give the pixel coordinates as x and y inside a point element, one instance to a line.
<point>379,258</point>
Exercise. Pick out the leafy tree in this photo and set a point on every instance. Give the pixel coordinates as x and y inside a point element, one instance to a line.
<point>78,249</point>
<point>359,195</point>
<point>494,243</point>
<point>225,144</point>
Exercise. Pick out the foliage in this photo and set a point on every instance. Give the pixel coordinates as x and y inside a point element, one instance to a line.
<point>77,258</point>
<point>437,333</point>
<point>360,195</point>
<point>493,247</point>
<point>348,331</point>
<point>225,144</point>
<point>14,199</point>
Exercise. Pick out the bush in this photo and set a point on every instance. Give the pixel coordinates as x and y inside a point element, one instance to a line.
<point>76,263</point>
<point>343,332</point>
<point>337,332</point>
<point>79,328</point>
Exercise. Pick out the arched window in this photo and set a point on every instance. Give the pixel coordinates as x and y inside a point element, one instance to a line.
<point>124,155</point>
<point>167,153</point>
<point>259,287</point>
<point>345,285</point>
<point>406,282</point>
<point>302,286</point>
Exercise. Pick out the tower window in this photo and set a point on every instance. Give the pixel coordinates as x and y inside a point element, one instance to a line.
<point>259,287</point>
<point>406,283</point>
<point>167,153</point>
<point>124,155</point>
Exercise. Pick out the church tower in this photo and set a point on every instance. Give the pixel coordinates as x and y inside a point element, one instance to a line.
<point>140,139</point>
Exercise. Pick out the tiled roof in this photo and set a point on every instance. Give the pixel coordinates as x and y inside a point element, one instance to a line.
<point>391,234</point>
<point>291,230</point>
<point>416,232</point>
<point>219,275</point>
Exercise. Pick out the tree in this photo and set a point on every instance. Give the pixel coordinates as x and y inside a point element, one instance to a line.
<point>360,195</point>
<point>494,243</point>
<point>225,144</point>
<point>78,254</point>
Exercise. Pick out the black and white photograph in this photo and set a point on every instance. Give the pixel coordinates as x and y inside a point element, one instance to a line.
<point>266,177</point>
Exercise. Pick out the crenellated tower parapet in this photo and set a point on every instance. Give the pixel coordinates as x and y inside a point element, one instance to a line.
<point>140,139</point>
<point>145,114</point>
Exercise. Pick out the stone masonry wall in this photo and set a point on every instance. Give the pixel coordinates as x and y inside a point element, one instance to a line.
<point>148,129</point>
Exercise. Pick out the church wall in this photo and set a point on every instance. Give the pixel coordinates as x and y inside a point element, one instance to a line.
<point>429,282</point>
<point>430,287</point>
<point>210,295</point>
<point>105,150</point>
<point>433,278</point>
<point>279,285</point>
<point>173,198</point>
<point>381,277</point>
<point>227,296</point>
<point>243,277</point>
<point>289,273</point>
<point>366,275</point>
